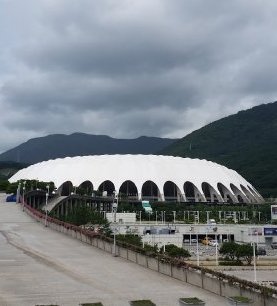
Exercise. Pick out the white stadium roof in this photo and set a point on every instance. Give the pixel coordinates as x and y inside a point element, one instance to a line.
<point>171,176</point>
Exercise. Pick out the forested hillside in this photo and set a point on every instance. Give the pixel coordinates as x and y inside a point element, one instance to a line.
<point>79,144</point>
<point>246,142</point>
<point>7,169</point>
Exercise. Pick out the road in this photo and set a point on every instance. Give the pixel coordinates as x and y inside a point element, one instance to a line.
<point>41,266</point>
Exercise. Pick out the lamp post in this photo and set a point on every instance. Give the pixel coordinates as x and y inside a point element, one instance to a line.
<point>115,205</point>
<point>46,202</point>
<point>114,242</point>
<point>23,199</point>
<point>18,193</point>
<point>197,250</point>
<point>216,252</point>
<point>254,261</point>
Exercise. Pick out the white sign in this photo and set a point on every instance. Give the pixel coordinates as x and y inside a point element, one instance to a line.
<point>273,212</point>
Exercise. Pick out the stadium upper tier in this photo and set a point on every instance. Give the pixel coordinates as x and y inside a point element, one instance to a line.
<point>152,177</point>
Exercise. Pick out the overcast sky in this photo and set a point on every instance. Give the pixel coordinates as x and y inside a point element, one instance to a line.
<point>127,68</point>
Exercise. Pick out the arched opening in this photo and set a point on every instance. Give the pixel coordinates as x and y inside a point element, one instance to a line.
<point>66,189</point>
<point>210,194</point>
<point>171,192</point>
<point>254,192</point>
<point>192,193</point>
<point>240,196</point>
<point>248,194</point>
<point>129,190</point>
<point>86,188</point>
<point>240,199</point>
<point>107,188</point>
<point>226,194</point>
<point>150,191</point>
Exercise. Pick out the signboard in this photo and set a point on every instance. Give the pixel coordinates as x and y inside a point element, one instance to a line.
<point>254,231</point>
<point>273,212</point>
<point>270,231</point>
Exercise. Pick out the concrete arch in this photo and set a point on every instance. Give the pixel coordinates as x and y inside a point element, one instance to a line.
<point>239,194</point>
<point>171,192</point>
<point>129,189</point>
<point>86,188</point>
<point>107,187</point>
<point>210,193</point>
<point>226,194</point>
<point>248,194</point>
<point>65,189</point>
<point>150,191</point>
<point>192,193</point>
<point>255,193</point>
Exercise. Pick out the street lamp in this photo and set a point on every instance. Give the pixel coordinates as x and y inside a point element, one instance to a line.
<point>197,250</point>
<point>254,261</point>
<point>46,202</point>
<point>115,204</point>
<point>24,183</point>
<point>18,193</point>
<point>114,242</point>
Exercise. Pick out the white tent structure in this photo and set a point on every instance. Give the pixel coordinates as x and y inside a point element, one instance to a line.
<point>148,177</point>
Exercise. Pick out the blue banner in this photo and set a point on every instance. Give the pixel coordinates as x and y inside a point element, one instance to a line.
<point>270,231</point>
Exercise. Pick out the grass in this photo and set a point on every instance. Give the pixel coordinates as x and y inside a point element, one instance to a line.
<point>91,304</point>
<point>142,303</point>
<point>191,300</point>
<point>240,299</point>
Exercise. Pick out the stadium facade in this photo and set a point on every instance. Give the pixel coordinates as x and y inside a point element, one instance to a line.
<point>145,177</point>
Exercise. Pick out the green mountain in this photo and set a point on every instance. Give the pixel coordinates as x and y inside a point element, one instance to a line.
<point>7,169</point>
<point>245,142</point>
<point>79,144</point>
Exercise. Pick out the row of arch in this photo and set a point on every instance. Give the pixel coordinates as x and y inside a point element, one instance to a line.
<point>170,191</point>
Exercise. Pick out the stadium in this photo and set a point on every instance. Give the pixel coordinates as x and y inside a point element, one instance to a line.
<point>144,177</point>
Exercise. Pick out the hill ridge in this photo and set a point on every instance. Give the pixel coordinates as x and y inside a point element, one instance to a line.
<point>245,142</point>
<point>60,145</point>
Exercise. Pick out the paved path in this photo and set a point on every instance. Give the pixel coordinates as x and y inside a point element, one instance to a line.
<point>41,266</point>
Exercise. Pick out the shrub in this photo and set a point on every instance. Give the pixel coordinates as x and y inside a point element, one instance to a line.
<point>142,303</point>
<point>231,263</point>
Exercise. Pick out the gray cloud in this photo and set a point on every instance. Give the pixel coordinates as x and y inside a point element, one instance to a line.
<point>131,68</point>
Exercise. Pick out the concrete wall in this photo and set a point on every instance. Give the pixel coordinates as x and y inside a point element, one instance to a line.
<point>194,277</point>
<point>179,273</point>
<point>212,284</point>
<point>185,274</point>
<point>122,217</point>
<point>165,268</point>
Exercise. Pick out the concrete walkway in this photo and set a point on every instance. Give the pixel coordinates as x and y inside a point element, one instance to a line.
<point>41,266</point>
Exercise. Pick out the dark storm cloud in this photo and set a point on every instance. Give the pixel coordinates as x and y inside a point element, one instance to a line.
<point>131,68</point>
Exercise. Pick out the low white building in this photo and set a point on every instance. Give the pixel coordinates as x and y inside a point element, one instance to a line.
<point>121,217</point>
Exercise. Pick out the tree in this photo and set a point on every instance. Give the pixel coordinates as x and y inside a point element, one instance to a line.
<point>130,239</point>
<point>175,251</point>
<point>229,249</point>
<point>4,185</point>
<point>83,214</point>
<point>245,251</point>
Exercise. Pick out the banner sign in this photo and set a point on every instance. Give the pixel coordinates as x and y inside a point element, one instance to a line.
<point>270,231</point>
